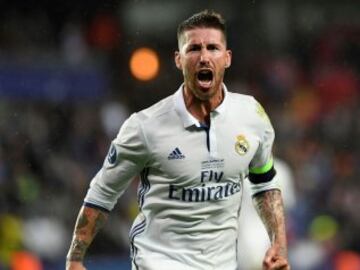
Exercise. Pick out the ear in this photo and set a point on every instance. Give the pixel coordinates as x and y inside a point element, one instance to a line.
<point>178,60</point>
<point>228,58</point>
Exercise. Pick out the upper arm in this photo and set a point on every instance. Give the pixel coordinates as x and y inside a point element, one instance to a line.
<point>127,156</point>
<point>261,169</point>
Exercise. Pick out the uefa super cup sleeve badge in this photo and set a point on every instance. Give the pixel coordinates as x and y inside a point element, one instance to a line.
<point>112,155</point>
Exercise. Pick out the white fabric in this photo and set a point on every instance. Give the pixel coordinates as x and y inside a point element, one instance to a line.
<point>190,196</point>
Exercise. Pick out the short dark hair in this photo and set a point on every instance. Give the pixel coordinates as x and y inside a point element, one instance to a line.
<point>205,19</point>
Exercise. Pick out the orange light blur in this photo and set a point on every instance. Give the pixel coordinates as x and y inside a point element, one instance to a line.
<point>144,64</point>
<point>23,260</point>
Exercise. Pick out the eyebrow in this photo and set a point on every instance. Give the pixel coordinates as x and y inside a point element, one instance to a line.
<point>195,45</point>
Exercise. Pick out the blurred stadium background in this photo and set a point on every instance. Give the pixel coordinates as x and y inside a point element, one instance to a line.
<point>72,71</point>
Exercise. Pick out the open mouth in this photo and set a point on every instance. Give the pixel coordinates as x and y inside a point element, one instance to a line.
<point>205,78</point>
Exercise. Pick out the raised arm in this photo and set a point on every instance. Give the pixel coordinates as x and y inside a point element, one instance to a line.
<point>88,223</point>
<point>269,206</point>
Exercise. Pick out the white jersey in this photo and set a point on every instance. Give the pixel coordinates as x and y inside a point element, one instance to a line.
<point>191,180</point>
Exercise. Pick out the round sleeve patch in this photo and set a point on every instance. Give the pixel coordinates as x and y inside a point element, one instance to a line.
<point>112,155</point>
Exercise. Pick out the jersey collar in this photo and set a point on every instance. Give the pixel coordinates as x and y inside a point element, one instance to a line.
<point>187,118</point>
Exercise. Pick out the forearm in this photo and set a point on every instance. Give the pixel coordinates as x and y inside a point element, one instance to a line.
<point>88,223</point>
<point>269,205</point>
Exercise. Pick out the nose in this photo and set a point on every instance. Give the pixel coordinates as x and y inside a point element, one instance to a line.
<point>204,57</point>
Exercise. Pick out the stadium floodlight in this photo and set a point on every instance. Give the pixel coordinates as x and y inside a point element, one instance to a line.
<point>144,64</point>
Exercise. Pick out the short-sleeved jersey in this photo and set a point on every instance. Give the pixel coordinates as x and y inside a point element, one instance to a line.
<point>191,179</point>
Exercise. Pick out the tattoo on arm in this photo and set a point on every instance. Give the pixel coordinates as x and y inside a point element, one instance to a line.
<point>77,250</point>
<point>87,225</point>
<point>99,223</point>
<point>269,206</point>
<point>82,222</point>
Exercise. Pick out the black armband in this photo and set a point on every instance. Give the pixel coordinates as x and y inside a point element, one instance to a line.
<point>258,178</point>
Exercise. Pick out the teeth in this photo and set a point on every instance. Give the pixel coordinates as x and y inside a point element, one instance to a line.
<point>205,72</point>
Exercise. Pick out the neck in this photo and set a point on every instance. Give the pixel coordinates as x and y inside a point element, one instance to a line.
<point>201,109</point>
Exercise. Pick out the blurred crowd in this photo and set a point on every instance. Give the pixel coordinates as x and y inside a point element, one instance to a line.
<point>312,97</point>
<point>50,148</point>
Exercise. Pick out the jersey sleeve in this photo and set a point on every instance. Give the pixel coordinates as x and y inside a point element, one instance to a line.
<point>127,156</point>
<point>261,169</point>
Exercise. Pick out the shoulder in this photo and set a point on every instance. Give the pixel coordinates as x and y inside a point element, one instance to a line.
<point>156,111</point>
<point>247,106</point>
<point>155,115</point>
<point>247,100</point>
<point>244,103</point>
<point>138,122</point>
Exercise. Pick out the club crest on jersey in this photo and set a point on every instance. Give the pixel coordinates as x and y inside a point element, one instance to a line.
<point>241,146</point>
<point>112,155</point>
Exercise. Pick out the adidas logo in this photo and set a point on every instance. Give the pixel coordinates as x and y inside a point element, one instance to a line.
<point>176,154</point>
